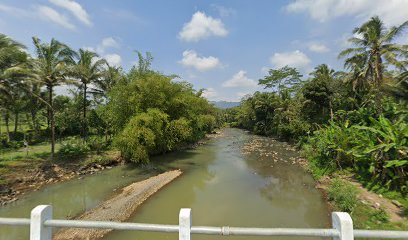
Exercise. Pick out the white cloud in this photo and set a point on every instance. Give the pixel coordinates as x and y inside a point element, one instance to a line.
<point>54,16</point>
<point>75,8</point>
<point>265,70</point>
<point>393,12</point>
<point>107,43</point>
<point>192,59</point>
<point>14,11</point>
<point>210,93</point>
<point>224,11</point>
<point>318,47</point>
<point>201,27</point>
<point>113,59</point>
<point>240,79</point>
<point>293,59</point>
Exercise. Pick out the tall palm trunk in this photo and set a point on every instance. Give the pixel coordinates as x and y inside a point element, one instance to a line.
<point>379,81</point>
<point>379,70</point>
<point>52,121</point>
<point>34,111</point>
<point>85,130</point>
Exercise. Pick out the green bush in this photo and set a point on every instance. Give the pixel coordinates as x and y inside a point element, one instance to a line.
<point>101,160</point>
<point>206,123</point>
<point>97,144</point>
<point>73,147</point>
<point>178,132</point>
<point>15,144</point>
<point>382,151</point>
<point>152,133</point>
<point>144,135</point>
<point>343,195</point>
<point>329,147</point>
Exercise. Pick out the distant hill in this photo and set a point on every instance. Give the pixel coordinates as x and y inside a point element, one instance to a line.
<point>225,104</point>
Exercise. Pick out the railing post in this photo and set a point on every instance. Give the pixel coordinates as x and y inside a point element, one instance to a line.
<point>38,231</point>
<point>185,224</point>
<point>344,224</point>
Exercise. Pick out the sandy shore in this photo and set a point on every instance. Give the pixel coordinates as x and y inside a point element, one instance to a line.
<point>118,208</point>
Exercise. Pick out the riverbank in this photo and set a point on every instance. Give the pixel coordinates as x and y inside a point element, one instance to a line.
<point>368,209</point>
<point>23,176</point>
<point>120,207</point>
<point>216,182</point>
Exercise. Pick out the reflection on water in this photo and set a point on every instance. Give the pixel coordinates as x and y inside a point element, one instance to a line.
<point>224,184</point>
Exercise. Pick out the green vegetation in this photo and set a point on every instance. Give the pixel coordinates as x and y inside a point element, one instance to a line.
<point>35,152</point>
<point>343,195</point>
<point>142,112</point>
<point>345,121</point>
<point>354,120</point>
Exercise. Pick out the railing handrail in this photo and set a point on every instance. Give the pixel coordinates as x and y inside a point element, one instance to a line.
<point>41,223</point>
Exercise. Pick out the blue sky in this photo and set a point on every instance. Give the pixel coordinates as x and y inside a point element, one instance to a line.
<point>223,46</point>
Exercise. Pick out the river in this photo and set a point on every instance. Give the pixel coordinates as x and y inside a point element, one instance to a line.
<point>238,179</point>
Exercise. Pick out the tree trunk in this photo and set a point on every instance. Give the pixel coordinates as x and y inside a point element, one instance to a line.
<point>15,123</point>
<point>379,71</point>
<point>34,110</point>
<point>52,121</point>
<point>84,127</point>
<point>6,120</point>
<point>379,78</point>
<point>34,120</point>
<point>48,117</point>
<point>331,110</point>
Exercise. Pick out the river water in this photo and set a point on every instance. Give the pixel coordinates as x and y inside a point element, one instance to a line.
<point>237,179</point>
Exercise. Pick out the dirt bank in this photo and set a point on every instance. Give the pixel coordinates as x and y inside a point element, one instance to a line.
<point>27,176</point>
<point>118,208</point>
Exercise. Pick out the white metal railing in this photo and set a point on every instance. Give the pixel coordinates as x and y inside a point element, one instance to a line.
<point>41,224</point>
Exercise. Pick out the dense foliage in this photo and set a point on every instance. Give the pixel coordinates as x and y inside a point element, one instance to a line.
<point>355,119</point>
<point>142,112</point>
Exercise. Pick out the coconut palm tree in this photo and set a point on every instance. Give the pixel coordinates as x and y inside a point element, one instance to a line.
<point>12,60</point>
<point>52,68</point>
<point>88,70</point>
<point>374,49</point>
<point>323,71</point>
<point>110,77</point>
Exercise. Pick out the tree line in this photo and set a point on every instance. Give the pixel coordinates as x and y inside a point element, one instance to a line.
<point>354,119</point>
<point>140,112</point>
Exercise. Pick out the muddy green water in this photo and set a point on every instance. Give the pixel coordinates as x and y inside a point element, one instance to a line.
<point>235,180</point>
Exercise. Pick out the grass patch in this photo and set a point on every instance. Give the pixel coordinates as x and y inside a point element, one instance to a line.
<point>343,195</point>
<point>35,152</point>
<point>366,217</point>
